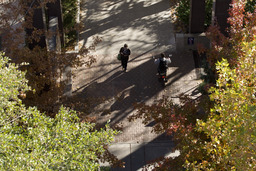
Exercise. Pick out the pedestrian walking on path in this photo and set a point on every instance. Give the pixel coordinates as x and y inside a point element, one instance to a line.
<point>162,63</point>
<point>125,53</point>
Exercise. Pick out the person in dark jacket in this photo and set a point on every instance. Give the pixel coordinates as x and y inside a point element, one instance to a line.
<point>125,53</point>
<point>162,60</point>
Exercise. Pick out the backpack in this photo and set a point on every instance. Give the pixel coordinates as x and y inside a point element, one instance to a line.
<point>126,52</point>
<point>163,66</point>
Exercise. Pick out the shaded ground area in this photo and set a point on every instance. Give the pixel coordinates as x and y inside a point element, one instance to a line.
<point>111,96</point>
<point>108,94</point>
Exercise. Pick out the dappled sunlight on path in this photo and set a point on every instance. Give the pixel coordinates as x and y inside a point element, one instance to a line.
<point>107,93</point>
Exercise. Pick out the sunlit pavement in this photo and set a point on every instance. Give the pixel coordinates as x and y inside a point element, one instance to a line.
<point>147,29</point>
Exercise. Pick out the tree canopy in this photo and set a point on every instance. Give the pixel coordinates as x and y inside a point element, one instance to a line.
<point>30,140</point>
<point>45,67</point>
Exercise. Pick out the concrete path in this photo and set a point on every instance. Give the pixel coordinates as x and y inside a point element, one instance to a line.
<point>147,29</point>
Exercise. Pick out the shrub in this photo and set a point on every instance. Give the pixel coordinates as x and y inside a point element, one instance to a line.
<point>30,140</point>
<point>69,11</point>
<point>183,12</point>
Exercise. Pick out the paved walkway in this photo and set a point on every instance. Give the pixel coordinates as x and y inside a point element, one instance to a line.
<point>147,29</point>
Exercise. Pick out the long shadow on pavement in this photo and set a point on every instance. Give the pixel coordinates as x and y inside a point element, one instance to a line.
<point>110,95</point>
<point>137,85</point>
<point>135,156</point>
<point>114,98</point>
<point>122,15</point>
<point>137,58</point>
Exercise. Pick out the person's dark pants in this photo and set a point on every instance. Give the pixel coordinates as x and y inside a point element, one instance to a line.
<point>124,61</point>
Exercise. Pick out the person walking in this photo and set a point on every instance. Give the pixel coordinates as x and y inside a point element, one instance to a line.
<point>125,53</point>
<point>162,63</point>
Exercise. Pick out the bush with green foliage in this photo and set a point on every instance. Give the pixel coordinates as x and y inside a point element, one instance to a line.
<point>230,129</point>
<point>250,5</point>
<point>69,12</point>
<point>183,12</point>
<point>231,126</point>
<point>30,140</point>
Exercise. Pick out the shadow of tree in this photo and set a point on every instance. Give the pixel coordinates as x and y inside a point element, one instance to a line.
<point>140,155</point>
<point>104,16</point>
<point>113,98</point>
<point>108,93</point>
